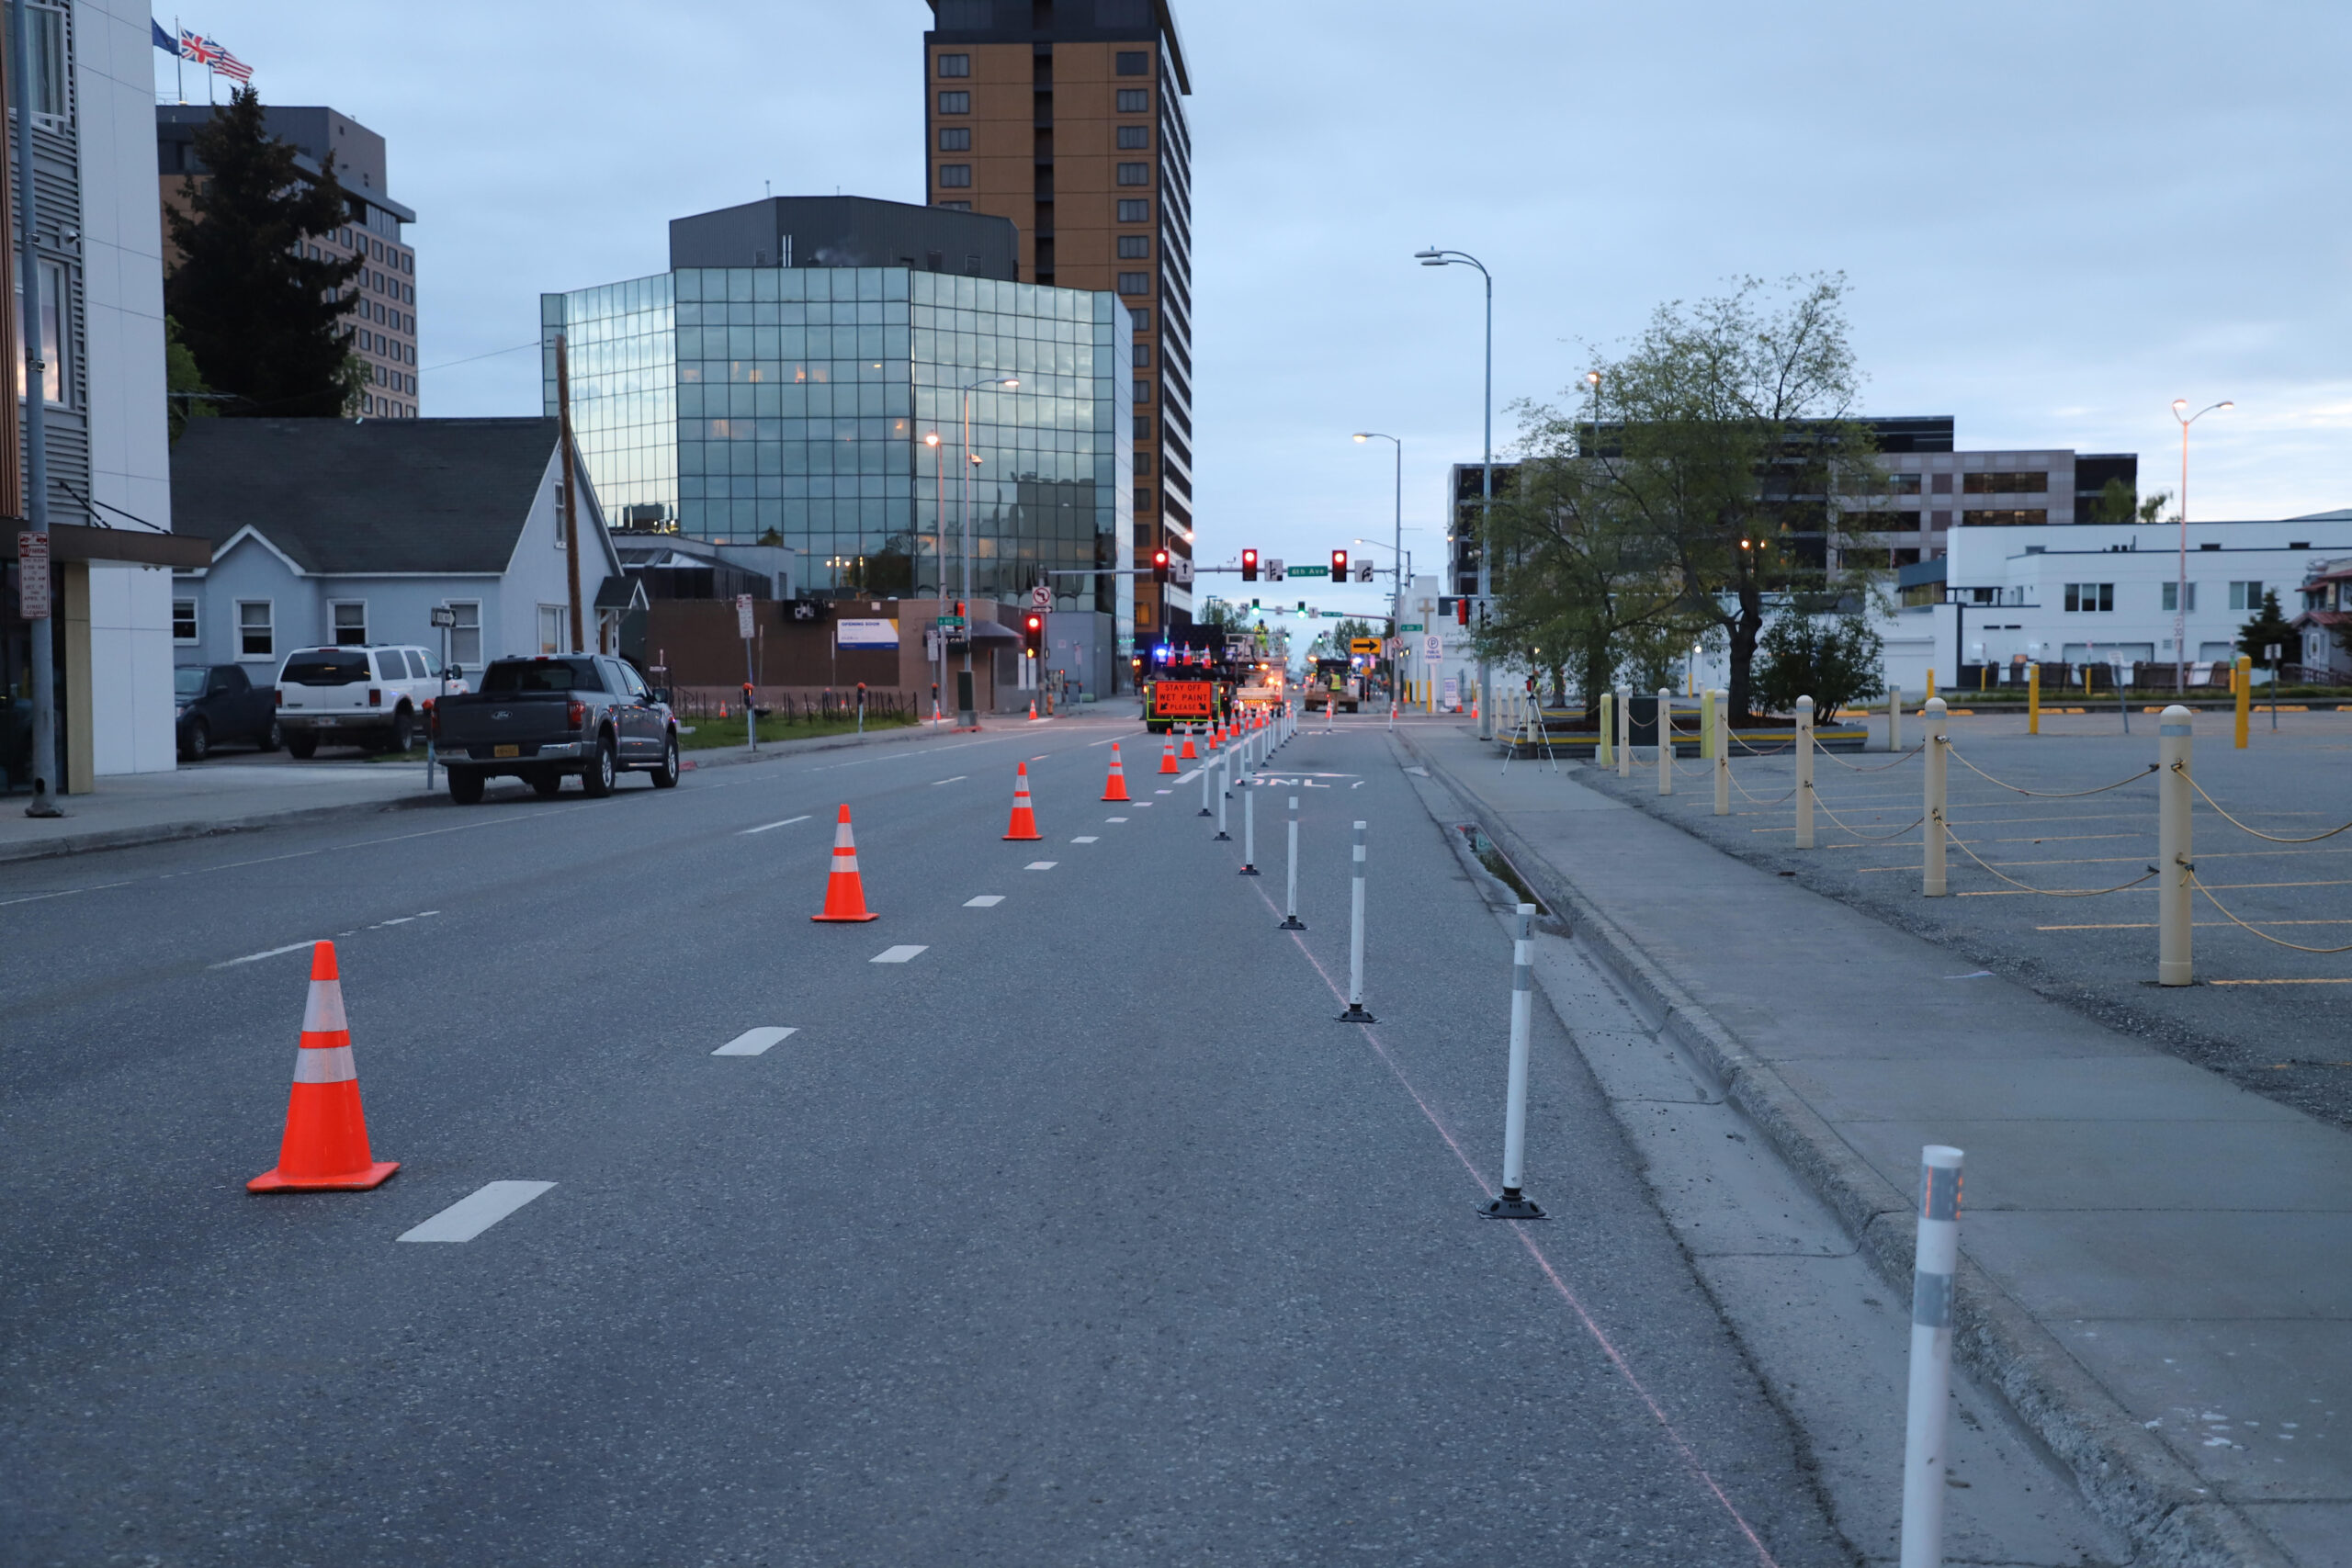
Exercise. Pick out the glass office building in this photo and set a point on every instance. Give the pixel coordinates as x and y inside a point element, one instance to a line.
<point>789,405</point>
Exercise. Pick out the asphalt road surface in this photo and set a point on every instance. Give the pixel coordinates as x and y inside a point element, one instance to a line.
<point>1082,1234</point>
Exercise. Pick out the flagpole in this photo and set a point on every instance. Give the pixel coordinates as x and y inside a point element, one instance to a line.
<point>179,61</point>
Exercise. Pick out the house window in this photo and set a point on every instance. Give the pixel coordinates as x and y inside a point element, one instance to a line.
<point>2090,596</point>
<point>955,103</point>
<point>1139,318</point>
<point>1143,498</point>
<point>1135,283</point>
<point>955,65</point>
<point>52,100</point>
<point>465,638</point>
<point>350,627</point>
<point>184,620</point>
<point>2246,595</point>
<point>1135,100</point>
<point>53,379</point>
<point>1132,211</point>
<point>956,139</point>
<point>1134,138</point>
<point>1134,174</point>
<point>256,629</point>
<point>1143,391</point>
<point>1135,63</point>
<point>2172,597</point>
<point>954,176</point>
<point>552,623</point>
<point>1143,427</point>
<point>1135,247</point>
<point>1142,356</point>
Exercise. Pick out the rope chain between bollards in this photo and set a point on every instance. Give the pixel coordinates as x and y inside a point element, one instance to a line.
<point>1753,800</point>
<point>2053,891</point>
<point>2044,793</point>
<point>1883,766</point>
<point>2278,941</point>
<point>2257,832</point>
<point>1879,838</point>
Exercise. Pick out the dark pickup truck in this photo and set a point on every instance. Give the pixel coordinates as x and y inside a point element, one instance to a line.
<point>540,718</point>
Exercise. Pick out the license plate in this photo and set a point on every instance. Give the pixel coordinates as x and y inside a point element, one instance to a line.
<point>506,751</point>
<point>325,723</point>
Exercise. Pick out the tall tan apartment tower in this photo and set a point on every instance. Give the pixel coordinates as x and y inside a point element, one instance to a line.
<point>1067,117</point>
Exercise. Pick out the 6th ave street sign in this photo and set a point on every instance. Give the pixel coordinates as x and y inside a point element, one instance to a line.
<point>1310,571</point>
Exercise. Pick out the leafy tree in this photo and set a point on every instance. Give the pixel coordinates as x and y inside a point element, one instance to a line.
<point>2152,508</point>
<point>1222,614</point>
<point>263,320</point>
<point>1721,433</point>
<point>2268,625</point>
<point>189,396</point>
<point>1833,658</point>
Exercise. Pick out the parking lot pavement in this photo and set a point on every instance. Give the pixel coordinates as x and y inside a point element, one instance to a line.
<point>2053,888</point>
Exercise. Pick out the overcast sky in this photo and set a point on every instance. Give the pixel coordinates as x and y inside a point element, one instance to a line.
<point>2056,216</point>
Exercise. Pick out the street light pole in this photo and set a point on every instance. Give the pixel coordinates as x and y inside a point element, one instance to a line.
<point>1434,256</point>
<point>2180,586</point>
<point>939,552</point>
<point>966,717</point>
<point>1397,601</point>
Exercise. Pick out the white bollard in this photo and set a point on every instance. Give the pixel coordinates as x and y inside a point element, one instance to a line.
<point>1224,771</point>
<point>1605,753</point>
<point>1291,922</point>
<point>2173,856</point>
<point>1804,772</point>
<point>1208,782</point>
<point>1625,732</point>
<point>1937,824</point>
<point>1513,1203</point>
<point>1355,1013</point>
<point>1248,832</point>
<point>1894,718</point>
<point>1723,754</point>
<point>1665,741</point>
<point>1933,1264</point>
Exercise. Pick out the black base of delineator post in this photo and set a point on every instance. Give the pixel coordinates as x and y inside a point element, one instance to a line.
<point>1512,1205</point>
<point>1204,811</point>
<point>1291,923</point>
<point>1355,1013</point>
<point>1222,838</point>
<point>1248,871</point>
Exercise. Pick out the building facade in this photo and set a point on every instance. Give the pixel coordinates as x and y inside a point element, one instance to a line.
<point>1068,117</point>
<point>796,406</point>
<point>101,323</point>
<point>384,296</point>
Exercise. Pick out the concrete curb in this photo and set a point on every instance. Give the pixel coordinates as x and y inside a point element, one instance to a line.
<point>2124,1471</point>
<point>206,828</point>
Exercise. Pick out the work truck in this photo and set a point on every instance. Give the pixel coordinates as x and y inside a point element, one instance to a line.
<point>546,718</point>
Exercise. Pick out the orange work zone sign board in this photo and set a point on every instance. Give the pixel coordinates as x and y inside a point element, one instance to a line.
<point>1183,699</point>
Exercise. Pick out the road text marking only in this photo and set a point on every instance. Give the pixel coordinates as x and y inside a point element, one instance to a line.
<point>754,1042</point>
<point>896,954</point>
<point>1042,864</point>
<point>771,827</point>
<point>476,1212</point>
<point>985,901</point>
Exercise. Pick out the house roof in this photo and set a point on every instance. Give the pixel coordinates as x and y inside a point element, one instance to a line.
<point>364,497</point>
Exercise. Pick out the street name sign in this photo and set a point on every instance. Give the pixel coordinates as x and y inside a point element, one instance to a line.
<point>1310,571</point>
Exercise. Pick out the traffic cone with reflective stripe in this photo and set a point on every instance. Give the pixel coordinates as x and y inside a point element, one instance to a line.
<point>1167,757</point>
<point>1032,710</point>
<point>845,890</point>
<point>325,1145</point>
<point>1115,788</point>
<point>1188,754</point>
<point>1024,820</point>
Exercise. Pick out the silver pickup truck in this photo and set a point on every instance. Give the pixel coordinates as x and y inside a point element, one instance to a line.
<point>540,719</point>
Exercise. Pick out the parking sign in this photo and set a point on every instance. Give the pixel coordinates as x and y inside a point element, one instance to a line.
<point>743,616</point>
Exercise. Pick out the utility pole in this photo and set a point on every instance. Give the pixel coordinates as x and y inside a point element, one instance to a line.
<point>33,357</point>
<point>571,484</point>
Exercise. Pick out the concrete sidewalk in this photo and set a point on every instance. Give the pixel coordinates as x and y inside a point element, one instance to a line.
<point>2157,1268</point>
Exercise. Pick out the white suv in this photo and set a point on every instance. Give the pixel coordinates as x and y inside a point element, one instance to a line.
<point>371,697</point>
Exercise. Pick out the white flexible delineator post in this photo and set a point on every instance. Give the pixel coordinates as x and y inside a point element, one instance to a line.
<point>1225,784</point>
<point>1512,1202</point>
<point>1356,1013</point>
<point>1804,772</point>
<point>1291,922</point>
<point>1927,1426</point>
<point>1249,833</point>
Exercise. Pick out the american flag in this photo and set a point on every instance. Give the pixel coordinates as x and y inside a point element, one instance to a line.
<point>228,64</point>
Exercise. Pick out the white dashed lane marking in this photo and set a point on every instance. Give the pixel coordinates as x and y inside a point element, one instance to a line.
<point>754,1042</point>
<point>476,1212</point>
<point>304,946</point>
<point>1083,841</point>
<point>1042,865</point>
<point>959,778</point>
<point>985,901</point>
<point>771,827</point>
<point>1115,819</point>
<point>897,954</point>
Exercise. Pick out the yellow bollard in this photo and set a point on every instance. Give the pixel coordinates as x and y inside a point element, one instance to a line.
<point>2033,699</point>
<point>1931,682</point>
<point>1606,756</point>
<point>2242,681</point>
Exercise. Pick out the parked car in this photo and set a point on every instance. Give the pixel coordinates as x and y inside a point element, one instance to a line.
<point>372,697</point>
<point>540,719</point>
<point>217,703</point>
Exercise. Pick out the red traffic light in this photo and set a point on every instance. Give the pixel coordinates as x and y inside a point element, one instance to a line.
<point>1159,566</point>
<point>1339,565</point>
<point>1249,566</point>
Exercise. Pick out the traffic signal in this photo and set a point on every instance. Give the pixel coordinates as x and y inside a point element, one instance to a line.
<point>1339,565</point>
<point>1033,633</point>
<point>1159,566</point>
<point>1249,566</point>
<point>1461,611</point>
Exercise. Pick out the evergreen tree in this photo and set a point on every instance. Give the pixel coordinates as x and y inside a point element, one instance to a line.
<point>264,321</point>
<point>2269,626</point>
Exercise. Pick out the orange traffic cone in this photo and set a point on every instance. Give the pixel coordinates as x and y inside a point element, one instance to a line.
<point>1024,820</point>
<point>1167,757</point>
<point>1032,710</point>
<point>845,890</point>
<point>1115,788</point>
<point>1188,754</point>
<point>325,1145</point>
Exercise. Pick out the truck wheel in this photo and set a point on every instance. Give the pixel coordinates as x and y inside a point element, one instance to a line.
<point>403,732</point>
<point>272,738</point>
<point>302,746</point>
<point>548,782</point>
<point>199,744</point>
<point>596,778</point>
<point>666,775</point>
<point>465,787</point>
